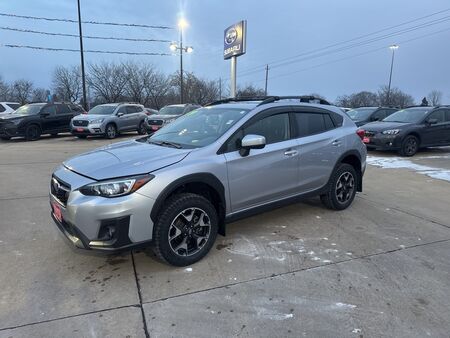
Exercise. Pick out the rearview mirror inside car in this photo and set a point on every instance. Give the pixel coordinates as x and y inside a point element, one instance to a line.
<point>251,142</point>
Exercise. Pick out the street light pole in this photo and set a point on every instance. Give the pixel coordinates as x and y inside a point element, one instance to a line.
<point>83,77</point>
<point>393,48</point>
<point>181,65</point>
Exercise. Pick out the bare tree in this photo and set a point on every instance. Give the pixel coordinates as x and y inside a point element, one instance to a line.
<point>21,91</point>
<point>39,95</point>
<point>4,90</point>
<point>397,98</point>
<point>361,99</point>
<point>158,90</point>
<point>435,97</point>
<point>108,81</point>
<point>67,83</point>
<point>135,75</point>
<point>198,90</point>
<point>249,91</point>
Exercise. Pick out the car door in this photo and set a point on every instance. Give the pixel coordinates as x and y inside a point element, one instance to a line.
<point>320,144</point>
<point>265,174</point>
<point>64,115</point>
<point>447,123</point>
<point>122,118</point>
<point>134,115</point>
<point>49,119</point>
<point>436,133</point>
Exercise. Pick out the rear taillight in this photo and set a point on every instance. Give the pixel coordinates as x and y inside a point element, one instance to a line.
<point>360,133</point>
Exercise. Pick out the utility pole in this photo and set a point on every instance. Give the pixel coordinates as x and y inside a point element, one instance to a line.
<point>393,48</point>
<point>267,78</point>
<point>83,77</point>
<point>181,66</point>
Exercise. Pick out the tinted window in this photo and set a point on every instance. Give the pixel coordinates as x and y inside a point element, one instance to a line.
<point>49,110</point>
<point>62,109</point>
<point>2,109</point>
<point>102,110</point>
<point>172,110</point>
<point>409,115</point>
<point>310,123</point>
<point>29,109</point>
<point>131,109</point>
<point>122,110</point>
<point>447,115</point>
<point>438,115</point>
<point>13,106</point>
<point>139,109</point>
<point>360,114</point>
<point>378,115</point>
<point>274,128</point>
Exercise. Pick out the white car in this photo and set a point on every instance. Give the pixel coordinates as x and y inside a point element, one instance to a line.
<point>8,107</point>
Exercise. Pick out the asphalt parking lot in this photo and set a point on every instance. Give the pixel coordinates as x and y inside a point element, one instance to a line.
<point>378,269</point>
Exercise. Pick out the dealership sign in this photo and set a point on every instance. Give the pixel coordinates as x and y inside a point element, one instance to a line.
<point>234,41</point>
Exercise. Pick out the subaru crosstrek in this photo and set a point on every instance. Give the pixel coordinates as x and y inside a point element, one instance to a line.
<point>176,189</point>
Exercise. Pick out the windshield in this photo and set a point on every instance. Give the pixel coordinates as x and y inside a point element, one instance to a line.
<point>29,109</point>
<point>199,127</point>
<point>412,115</point>
<point>171,110</point>
<point>360,113</point>
<point>102,110</point>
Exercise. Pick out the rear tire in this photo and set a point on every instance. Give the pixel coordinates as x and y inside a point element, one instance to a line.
<point>185,230</point>
<point>33,132</point>
<point>141,129</point>
<point>410,146</point>
<point>341,188</point>
<point>110,131</point>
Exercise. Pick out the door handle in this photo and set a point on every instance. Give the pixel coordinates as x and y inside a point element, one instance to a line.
<point>290,152</point>
<point>336,143</point>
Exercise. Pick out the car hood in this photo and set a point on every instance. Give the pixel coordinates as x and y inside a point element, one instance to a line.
<point>87,117</point>
<point>124,159</point>
<point>11,117</point>
<point>163,117</point>
<point>380,126</point>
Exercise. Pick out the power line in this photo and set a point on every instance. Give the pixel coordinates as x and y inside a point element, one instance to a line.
<point>352,39</point>
<point>84,36</point>
<point>86,51</point>
<point>85,22</point>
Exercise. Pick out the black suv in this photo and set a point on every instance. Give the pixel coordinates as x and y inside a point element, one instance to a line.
<point>33,120</point>
<point>363,115</point>
<point>410,129</point>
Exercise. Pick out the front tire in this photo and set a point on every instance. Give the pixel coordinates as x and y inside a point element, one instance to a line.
<point>33,132</point>
<point>141,129</point>
<point>341,188</point>
<point>186,229</point>
<point>410,146</point>
<point>110,131</point>
<point>6,138</point>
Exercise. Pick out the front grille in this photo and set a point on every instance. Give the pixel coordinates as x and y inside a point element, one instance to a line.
<point>60,190</point>
<point>369,133</point>
<point>80,123</point>
<point>155,122</point>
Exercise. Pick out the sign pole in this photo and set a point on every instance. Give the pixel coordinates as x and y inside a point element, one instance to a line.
<point>267,78</point>
<point>233,76</point>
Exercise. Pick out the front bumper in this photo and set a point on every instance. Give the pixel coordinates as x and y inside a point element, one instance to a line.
<point>93,129</point>
<point>107,224</point>
<point>152,128</point>
<point>383,142</point>
<point>8,130</point>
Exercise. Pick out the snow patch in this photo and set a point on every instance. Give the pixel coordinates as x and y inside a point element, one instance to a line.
<point>345,306</point>
<point>188,269</point>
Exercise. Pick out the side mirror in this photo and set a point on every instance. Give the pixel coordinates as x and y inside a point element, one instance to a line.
<point>432,121</point>
<point>251,142</point>
<point>120,114</point>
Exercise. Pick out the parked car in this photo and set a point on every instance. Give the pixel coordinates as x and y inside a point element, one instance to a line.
<point>410,129</point>
<point>150,111</point>
<point>109,120</point>
<point>8,107</point>
<point>178,188</point>
<point>33,120</point>
<point>167,115</point>
<point>364,115</point>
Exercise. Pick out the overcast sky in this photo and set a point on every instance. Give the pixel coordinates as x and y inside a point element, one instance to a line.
<point>277,30</point>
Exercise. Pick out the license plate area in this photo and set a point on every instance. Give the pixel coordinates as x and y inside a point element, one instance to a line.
<point>56,209</point>
<point>80,129</point>
<point>366,139</point>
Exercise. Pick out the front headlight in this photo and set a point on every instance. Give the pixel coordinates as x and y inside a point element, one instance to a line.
<point>116,188</point>
<point>96,121</point>
<point>391,132</point>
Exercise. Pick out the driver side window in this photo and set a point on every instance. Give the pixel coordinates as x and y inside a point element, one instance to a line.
<point>274,128</point>
<point>122,110</point>
<point>51,110</point>
<point>439,115</point>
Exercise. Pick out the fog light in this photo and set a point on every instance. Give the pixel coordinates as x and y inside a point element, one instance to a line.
<point>106,233</point>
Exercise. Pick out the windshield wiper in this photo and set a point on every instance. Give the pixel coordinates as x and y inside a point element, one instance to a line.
<point>166,144</point>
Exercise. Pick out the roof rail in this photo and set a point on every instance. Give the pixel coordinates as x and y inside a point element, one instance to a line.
<point>238,99</point>
<point>303,98</point>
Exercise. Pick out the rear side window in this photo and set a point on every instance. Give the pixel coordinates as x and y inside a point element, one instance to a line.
<point>49,109</point>
<point>139,109</point>
<point>13,105</point>
<point>439,115</point>
<point>312,123</point>
<point>62,109</point>
<point>2,109</point>
<point>447,115</point>
<point>131,109</point>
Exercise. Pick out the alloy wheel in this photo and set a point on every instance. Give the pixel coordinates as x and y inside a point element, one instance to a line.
<point>189,232</point>
<point>411,146</point>
<point>345,187</point>
<point>111,131</point>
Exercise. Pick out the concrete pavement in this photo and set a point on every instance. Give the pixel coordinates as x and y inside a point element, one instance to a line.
<point>380,268</point>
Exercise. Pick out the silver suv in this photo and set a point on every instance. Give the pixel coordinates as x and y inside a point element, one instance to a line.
<point>167,115</point>
<point>109,120</point>
<point>178,188</point>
